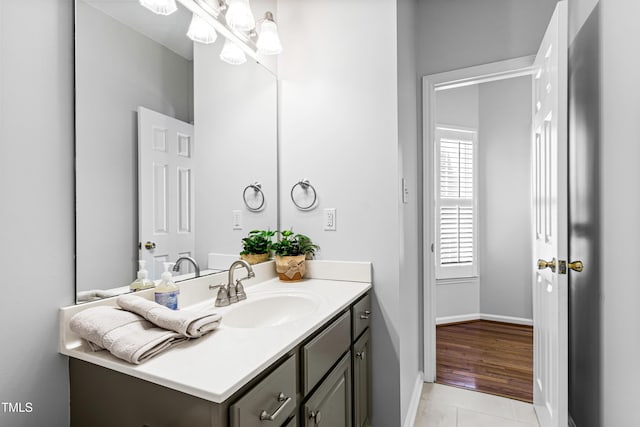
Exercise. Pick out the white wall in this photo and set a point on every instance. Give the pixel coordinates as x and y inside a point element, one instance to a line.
<point>117,70</point>
<point>619,210</point>
<point>504,195</point>
<point>460,33</point>
<point>339,128</point>
<point>236,143</point>
<point>410,236</point>
<point>36,183</point>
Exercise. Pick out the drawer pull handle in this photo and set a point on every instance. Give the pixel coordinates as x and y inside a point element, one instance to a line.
<point>284,400</point>
<point>360,355</point>
<point>365,315</point>
<point>315,416</point>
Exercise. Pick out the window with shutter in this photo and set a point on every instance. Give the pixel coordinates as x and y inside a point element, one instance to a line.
<point>456,239</point>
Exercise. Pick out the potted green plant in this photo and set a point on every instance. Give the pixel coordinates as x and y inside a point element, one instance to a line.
<point>291,251</point>
<point>256,247</point>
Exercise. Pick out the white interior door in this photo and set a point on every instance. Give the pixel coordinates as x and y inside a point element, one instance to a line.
<point>550,303</point>
<point>165,189</point>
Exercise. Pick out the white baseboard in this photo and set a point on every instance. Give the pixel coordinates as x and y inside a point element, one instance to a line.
<point>507,319</point>
<point>483,316</point>
<point>458,318</point>
<point>412,411</point>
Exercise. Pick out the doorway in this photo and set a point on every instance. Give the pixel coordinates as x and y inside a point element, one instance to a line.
<point>481,182</point>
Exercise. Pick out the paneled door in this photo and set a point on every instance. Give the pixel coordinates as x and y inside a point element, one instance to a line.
<point>165,189</point>
<point>550,229</point>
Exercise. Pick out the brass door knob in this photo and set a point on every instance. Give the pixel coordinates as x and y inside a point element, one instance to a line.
<point>576,266</point>
<point>542,264</point>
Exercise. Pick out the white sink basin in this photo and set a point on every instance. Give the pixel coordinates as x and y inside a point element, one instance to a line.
<point>270,310</point>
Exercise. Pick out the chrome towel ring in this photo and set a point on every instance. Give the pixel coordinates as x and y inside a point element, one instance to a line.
<point>257,203</point>
<point>305,185</point>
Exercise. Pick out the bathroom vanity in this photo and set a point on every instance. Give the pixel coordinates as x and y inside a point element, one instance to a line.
<point>292,354</point>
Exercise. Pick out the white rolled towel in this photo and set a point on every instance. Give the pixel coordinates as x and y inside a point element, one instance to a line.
<point>126,335</point>
<point>192,324</point>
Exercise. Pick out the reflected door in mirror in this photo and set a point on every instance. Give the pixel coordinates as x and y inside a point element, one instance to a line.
<point>165,168</point>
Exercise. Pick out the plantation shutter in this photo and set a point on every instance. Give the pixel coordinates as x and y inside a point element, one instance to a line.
<point>455,203</point>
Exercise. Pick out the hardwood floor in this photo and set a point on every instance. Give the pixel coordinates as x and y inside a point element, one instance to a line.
<point>486,356</point>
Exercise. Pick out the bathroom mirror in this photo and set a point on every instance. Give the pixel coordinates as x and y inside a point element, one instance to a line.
<point>143,87</point>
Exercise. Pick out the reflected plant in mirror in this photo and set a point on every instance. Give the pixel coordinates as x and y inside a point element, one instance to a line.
<point>256,247</point>
<point>167,136</point>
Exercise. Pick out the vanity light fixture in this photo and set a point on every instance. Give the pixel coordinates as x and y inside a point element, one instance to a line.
<point>268,41</point>
<point>239,15</point>
<point>232,53</point>
<point>160,7</point>
<point>201,31</point>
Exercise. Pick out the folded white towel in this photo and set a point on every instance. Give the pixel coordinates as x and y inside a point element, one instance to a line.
<point>126,335</point>
<point>192,324</point>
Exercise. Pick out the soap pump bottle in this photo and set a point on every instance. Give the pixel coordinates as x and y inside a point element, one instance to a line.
<point>142,281</point>
<point>167,291</point>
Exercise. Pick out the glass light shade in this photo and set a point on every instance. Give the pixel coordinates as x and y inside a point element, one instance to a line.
<point>232,53</point>
<point>269,42</point>
<point>201,31</point>
<point>160,7</point>
<point>239,15</point>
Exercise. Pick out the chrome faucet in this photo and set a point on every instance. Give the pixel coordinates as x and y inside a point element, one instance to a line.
<point>176,267</point>
<point>233,293</point>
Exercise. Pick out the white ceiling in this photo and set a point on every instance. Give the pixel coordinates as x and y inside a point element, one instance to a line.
<point>170,31</point>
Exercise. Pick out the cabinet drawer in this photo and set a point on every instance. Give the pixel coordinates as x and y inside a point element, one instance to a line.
<point>274,396</point>
<point>361,314</point>
<point>322,352</point>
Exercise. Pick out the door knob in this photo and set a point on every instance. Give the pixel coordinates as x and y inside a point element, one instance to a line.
<point>150,245</point>
<point>542,264</point>
<point>576,266</point>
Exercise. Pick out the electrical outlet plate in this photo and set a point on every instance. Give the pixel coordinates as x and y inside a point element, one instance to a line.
<point>329,218</point>
<point>236,221</point>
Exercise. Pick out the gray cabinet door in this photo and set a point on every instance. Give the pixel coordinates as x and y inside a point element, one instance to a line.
<point>330,405</point>
<point>362,381</point>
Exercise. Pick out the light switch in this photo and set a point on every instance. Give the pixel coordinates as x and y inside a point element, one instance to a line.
<point>405,191</point>
<point>329,216</point>
<point>237,220</point>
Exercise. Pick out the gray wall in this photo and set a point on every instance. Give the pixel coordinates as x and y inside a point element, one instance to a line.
<point>504,196</point>
<point>585,292</point>
<point>339,128</point>
<point>501,112</point>
<point>36,184</point>
<point>460,33</point>
<point>458,106</point>
<point>458,297</point>
<point>117,70</point>
<point>620,205</point>
<point>411,242</point>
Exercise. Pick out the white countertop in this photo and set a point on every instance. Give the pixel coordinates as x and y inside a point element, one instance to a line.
<point>217,365</point>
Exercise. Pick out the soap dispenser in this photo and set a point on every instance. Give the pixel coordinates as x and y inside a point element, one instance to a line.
<point>142,281</point>
<point>167,291</point>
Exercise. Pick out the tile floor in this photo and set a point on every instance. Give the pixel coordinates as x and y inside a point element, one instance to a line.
<point>445,406</point>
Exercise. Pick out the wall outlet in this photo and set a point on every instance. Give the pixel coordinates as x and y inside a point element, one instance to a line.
<point>236,221</point>
<point>329,218</point>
